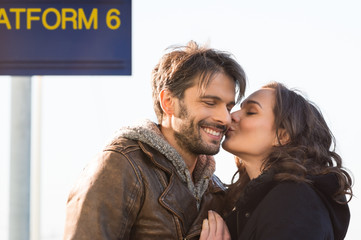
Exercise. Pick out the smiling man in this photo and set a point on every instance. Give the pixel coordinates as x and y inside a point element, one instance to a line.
<point>156,181</point>
<point>196,123</point>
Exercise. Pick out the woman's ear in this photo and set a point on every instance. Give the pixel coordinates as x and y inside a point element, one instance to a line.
<point>283,137</point>
<point>166,102</point>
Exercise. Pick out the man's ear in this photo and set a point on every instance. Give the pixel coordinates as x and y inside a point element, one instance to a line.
<point>283,137</point>
<point>166,102</point>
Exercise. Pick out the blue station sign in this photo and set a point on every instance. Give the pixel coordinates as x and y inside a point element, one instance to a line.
<point>65,37</point>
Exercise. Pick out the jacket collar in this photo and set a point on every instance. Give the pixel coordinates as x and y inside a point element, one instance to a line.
<point>181,203</point>
<point>149,133</point>
<point>256,190</point>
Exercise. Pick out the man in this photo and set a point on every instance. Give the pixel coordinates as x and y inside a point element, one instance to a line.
<point>155,181</point>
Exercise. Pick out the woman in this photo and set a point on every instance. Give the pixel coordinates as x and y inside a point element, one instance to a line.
<point>291,183</point>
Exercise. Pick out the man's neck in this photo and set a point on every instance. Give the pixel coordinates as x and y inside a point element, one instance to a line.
<point>189,158</point>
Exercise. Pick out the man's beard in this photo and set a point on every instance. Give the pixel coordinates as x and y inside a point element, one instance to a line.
<point>189,136</point>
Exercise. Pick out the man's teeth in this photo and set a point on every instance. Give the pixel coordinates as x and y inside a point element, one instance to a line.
<point>212,132</point>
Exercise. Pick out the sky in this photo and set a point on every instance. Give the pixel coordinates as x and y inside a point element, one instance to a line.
<point>313,46</point>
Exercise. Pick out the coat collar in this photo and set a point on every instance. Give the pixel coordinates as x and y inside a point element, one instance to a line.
<point>256,190</point>
<point>181,203</point>
<point>149,133</point>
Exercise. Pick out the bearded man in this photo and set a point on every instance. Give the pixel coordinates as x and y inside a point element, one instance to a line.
<point>156,180</point>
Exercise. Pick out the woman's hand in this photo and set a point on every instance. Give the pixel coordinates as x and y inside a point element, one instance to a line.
<point>214,228</point>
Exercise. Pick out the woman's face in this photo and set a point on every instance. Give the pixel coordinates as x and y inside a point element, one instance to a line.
<point>252,133</point>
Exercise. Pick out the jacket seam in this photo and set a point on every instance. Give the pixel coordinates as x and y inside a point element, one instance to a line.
<point>133,193</point>
<point>170,208</point>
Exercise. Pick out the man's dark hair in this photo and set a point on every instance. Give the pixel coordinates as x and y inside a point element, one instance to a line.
<point>176,71</point>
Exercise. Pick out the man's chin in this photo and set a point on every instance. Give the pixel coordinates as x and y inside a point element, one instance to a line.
<point>213,150</point>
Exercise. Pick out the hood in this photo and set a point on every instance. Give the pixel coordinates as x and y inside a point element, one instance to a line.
<point>326,186</point>
<point>148,132</point>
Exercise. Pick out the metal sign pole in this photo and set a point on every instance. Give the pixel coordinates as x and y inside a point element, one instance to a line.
<point>35,159</point>
<point>19,212</point>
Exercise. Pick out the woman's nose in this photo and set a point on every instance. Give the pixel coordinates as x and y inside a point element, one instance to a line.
<point>236,116</point>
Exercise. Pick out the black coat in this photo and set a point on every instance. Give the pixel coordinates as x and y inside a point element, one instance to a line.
<point>288,210</point>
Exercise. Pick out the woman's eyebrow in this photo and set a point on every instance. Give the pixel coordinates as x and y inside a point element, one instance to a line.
<point>251,102</point>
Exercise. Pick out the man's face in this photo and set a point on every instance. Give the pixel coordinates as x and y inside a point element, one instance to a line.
<point>202,118</point>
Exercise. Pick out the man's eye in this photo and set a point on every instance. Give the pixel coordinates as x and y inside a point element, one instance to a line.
<point>251,113</point>
<point>210,103</point>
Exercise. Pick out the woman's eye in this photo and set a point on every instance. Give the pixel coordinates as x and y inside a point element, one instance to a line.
<point>251,113</point>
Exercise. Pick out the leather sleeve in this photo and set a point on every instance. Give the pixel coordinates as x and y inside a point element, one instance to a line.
<point>105,201</point>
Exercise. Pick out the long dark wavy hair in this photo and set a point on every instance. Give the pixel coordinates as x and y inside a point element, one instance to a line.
<point>310,149</point>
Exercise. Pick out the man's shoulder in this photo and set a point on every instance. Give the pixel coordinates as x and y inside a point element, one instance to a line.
<point>121,144</point>
<point>135,150</point>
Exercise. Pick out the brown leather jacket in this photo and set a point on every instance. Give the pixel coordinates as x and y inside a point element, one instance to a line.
<point>132,191</point>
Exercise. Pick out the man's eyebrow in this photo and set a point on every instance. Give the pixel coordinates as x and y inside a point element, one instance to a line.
<point>216,98</point>
<point>251,102</point>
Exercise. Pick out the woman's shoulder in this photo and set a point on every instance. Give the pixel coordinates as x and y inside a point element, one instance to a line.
<point>294,189</point>
<point>311,203</point>
<point>291,209</point>
<point>294,199</point>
